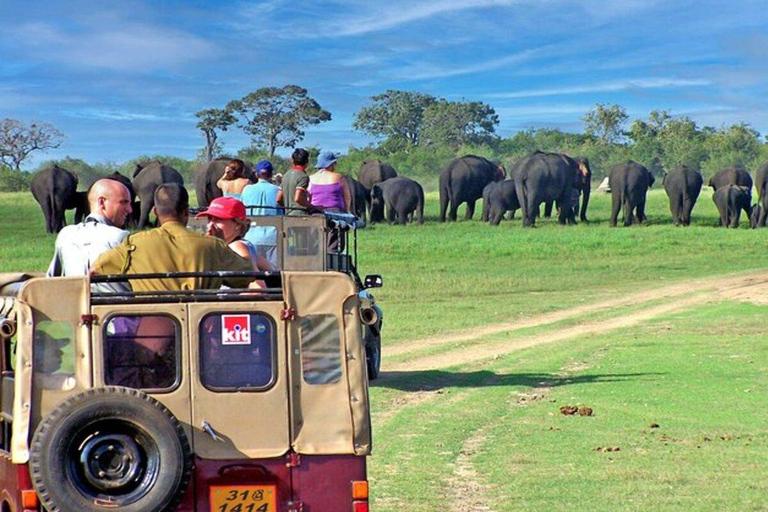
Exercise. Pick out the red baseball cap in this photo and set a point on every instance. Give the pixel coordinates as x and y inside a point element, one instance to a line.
<point>224,208</point>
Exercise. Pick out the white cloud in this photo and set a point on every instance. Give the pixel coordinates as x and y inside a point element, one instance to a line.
<point>115,115</point>
<point>424,71</point>
<point>127,47</point>
<point>616,86</point>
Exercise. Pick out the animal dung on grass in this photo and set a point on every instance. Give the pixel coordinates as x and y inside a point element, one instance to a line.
<point>570,410</point>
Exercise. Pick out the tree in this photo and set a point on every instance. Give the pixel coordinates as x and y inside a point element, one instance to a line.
<point>682,143</point>
<point>275,117</point>
<point>213,119</point>
<point>605,122</point>
<point>17,140</point>
<point>453,123</point>
<point>735,145</point>
<point>396,117</point>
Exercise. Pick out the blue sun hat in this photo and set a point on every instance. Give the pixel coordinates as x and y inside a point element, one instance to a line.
<point>325,160</point>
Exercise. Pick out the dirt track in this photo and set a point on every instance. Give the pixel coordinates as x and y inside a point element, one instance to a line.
<point>619,313</point>
<point>645,305</point>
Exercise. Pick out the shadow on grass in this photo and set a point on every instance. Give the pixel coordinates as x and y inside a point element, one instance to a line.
<point>433,380</point>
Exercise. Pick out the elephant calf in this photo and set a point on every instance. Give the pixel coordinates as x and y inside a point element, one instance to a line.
<point>401,196</point>
<point>501,197</point>
<point>730,200</point>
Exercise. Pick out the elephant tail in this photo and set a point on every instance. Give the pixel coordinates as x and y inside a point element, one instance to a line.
<point>420,206</point>
<point>445,193</point>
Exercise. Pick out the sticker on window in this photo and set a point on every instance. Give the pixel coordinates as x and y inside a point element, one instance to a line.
<point>236,330</point>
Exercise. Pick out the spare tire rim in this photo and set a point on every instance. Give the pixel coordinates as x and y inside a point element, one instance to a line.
<point>115,462</point>
<point>110,461</point>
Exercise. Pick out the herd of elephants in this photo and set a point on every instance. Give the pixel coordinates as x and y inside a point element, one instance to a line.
<point>378,193</point>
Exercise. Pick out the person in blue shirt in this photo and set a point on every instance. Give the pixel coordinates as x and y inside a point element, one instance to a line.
<point>263,198</point>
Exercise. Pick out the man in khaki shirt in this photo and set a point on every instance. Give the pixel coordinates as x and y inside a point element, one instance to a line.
<point>173,248</point>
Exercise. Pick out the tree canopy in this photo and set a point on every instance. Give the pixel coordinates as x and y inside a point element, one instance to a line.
<point>211,121</point>
<point>18,141</point>
<point>275,117</point>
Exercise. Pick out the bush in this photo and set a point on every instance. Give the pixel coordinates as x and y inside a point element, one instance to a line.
<point>14,181</point>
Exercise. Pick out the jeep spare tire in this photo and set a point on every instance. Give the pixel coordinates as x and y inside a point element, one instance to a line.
<point>110,448</point>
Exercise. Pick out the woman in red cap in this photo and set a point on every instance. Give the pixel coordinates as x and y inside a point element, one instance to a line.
<point>226,220</point>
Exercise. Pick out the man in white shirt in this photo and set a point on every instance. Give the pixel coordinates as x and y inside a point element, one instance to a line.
<point>78,245</point>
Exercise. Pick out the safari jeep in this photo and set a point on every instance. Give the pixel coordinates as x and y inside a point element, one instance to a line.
<point>226,400</point>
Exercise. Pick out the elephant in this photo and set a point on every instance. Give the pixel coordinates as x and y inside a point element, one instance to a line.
<point>584,187</point>
<point>754,218</point>
<point>359,197</point>
<point>683,186</point>
<point>146,178</point>
<point>55,190</point>
<point>211,172</point>
<point>463,180</point>
<point>730,200</point>
<point>761,184</point>
<point>542,177</point>
<point>629,184</point>
<point>372,172</point>
<point>501,197</point>
<point>401,196</point>
<point>731,176</point>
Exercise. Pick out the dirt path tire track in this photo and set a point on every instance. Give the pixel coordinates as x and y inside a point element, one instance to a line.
<point>751,286</point>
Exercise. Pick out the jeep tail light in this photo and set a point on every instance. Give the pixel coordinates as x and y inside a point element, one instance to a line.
<point>360,490</point>
<point>360,506</point>
<point>29,500</point>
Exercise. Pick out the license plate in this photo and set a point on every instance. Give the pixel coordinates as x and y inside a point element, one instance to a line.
<point>244,498</point>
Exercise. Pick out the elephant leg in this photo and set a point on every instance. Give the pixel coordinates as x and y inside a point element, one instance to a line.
<point>146,207</point>
<point>615,207</point>
<point>529,217</point>
<point>548,209</point>
<point>641,212</point>
<point>761,217</point>
<point>470,210</point>
<point>403,217</point>
<point>391,214</point>
<point>629,213</point>
<point>454,209</point>
<point>443,206</point>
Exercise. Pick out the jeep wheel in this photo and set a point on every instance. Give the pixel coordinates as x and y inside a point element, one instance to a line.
<point>110,448</point>
<point>372,353</point>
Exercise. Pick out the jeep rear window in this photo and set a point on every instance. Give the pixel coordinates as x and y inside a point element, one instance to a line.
<point>142,352</point>
<point>303,241</point>
<point>320,349</point>
<point>237,351</point>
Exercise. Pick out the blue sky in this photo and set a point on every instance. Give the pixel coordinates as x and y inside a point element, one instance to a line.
<point>121,79</point>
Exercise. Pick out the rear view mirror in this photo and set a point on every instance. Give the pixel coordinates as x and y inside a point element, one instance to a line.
<point>373,281</point>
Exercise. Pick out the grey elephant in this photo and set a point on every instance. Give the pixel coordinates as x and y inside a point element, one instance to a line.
<point>731,176</point>
<point>583,185</point>
<point>359,197</point>
<point>463,181</point>
<point>730,201</point>
<point>55,190</point>
<point>401,196</point>
<point>372,172</point>
<point>211,172</point>
<point>683,186</point>
<point>542,177</point>
<point>761,184</point>
<point>754,217</point>
<point>502,197</point>
<point>146,178</point>
<point>629,184</point>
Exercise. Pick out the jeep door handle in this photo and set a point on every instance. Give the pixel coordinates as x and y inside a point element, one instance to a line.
<point>208,429</point>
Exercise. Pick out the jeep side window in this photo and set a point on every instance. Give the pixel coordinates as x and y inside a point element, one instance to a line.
<point>54,355</point>
<point>142,352</point>
<point>320,349</point>
<point>237,351</point>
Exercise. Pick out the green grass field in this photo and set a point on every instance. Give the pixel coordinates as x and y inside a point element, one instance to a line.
<point>473,423</point>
